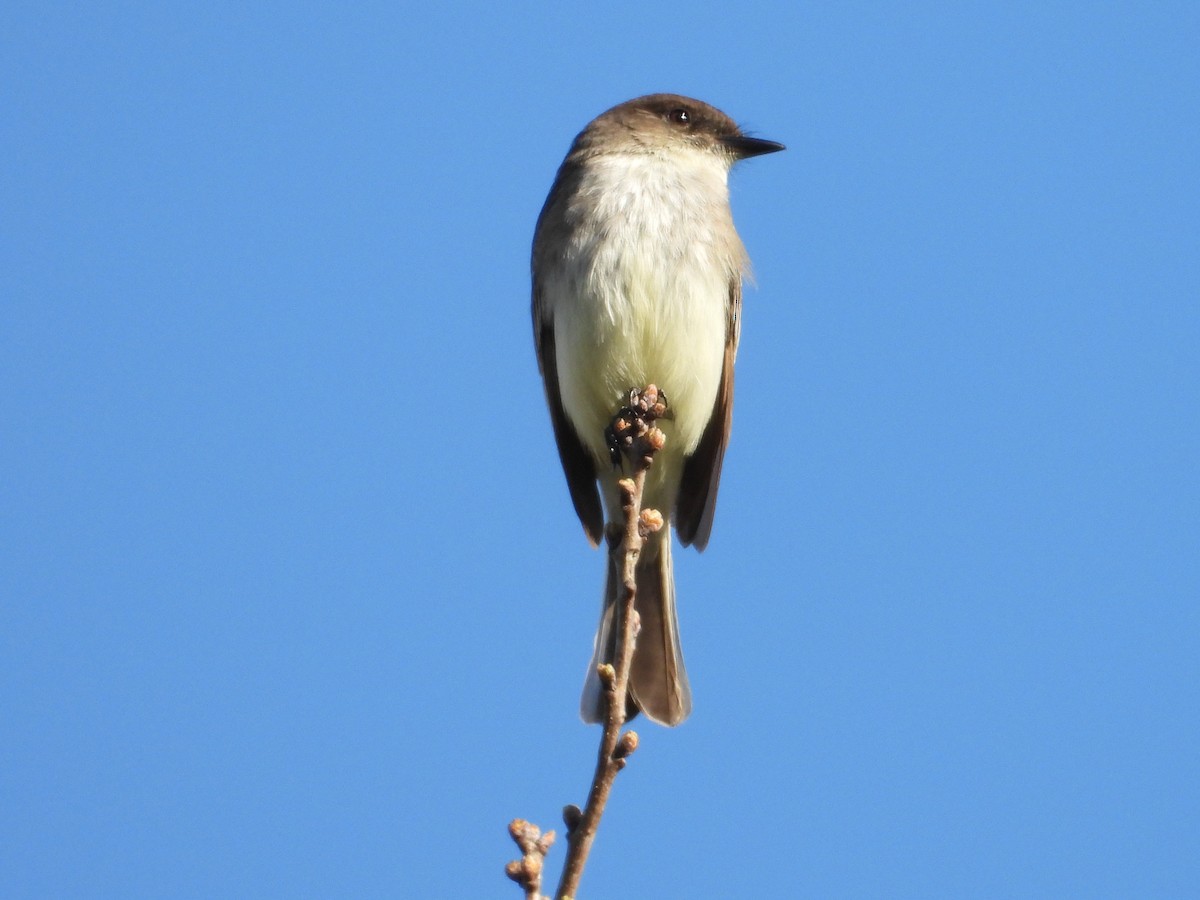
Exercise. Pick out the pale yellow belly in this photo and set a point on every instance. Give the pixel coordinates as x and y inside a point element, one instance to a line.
<point>665,331</point>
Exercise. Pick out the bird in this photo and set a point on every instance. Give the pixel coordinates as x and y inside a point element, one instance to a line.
<point>637,274</point>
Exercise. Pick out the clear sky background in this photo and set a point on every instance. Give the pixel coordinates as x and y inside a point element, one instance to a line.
<point>292,599</point>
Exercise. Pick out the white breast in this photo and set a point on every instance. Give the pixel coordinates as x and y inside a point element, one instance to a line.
<point>643,294</point>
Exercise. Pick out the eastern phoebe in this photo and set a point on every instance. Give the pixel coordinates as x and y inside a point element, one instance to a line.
<point>637,280</point>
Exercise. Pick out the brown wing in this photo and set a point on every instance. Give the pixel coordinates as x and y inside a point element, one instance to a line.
<point>576,461</point>
<point>697,500</point>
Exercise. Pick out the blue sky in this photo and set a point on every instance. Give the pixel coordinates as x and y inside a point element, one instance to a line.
<point>292,599</point>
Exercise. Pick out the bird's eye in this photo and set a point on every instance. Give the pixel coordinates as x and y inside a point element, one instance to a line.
<point>681,116</point>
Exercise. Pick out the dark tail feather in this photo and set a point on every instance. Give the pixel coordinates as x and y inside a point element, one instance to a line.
<point>658,682</point>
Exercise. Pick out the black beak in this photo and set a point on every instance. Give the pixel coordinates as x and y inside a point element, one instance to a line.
<point>745,147</point>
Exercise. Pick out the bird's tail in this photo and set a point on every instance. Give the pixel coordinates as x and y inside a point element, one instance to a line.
<point>658,682</point>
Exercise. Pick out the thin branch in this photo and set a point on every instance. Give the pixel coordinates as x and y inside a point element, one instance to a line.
<point>633,438</point>
<point>634,435</point>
